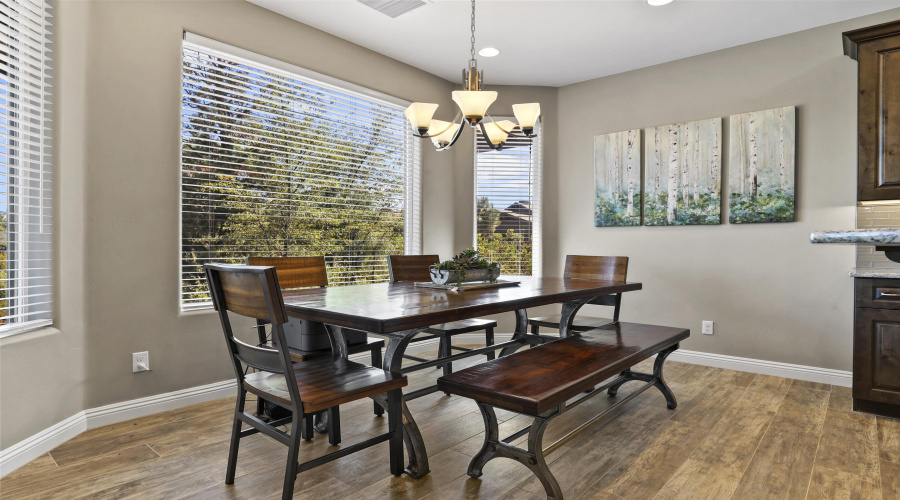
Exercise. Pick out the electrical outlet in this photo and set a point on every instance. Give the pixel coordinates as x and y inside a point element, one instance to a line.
<point>707,327</point>
<point>140,362</point>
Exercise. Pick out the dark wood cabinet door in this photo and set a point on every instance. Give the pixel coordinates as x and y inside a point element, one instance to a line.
<point>876,355</point>
<point>879,118</point>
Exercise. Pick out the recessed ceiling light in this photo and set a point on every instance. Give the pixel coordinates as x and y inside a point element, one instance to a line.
<point>490,51</point>
<point>657,3</point>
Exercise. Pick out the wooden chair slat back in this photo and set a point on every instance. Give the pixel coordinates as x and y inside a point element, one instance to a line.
<point>411,267</point>
<point>599,267</point>
<point>268,360</point>
<point>295,272</point>
<point>251,291</point>
<point>595,267</point>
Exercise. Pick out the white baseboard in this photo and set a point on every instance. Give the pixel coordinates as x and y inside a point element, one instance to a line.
<point>33,447</point>
<point>136,408</point>
<point>763,367</point>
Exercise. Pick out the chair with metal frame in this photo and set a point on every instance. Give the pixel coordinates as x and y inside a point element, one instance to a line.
<point>304,388</point>
<point>590,267</point>
<point>309,272</point>
<point>416,268</point>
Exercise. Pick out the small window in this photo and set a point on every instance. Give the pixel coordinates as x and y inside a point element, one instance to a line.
<point>508,203</point>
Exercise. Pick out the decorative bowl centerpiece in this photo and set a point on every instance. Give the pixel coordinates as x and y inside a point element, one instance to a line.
<point>465,267</point>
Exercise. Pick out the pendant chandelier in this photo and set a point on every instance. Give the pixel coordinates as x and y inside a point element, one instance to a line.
<point>473,104</point>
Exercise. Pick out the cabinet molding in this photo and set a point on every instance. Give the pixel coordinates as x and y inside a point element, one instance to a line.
<point>877,49</point>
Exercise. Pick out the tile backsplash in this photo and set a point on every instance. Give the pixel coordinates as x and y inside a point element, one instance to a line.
<point>871,216</point>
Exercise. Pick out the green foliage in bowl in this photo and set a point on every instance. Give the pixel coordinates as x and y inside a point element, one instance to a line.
<point>470,260</point>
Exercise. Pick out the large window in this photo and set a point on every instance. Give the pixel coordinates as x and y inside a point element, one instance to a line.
<point>26,212</point>
<point>508,204</point>
<point>276,161</point>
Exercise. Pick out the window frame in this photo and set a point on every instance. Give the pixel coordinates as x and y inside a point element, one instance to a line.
<point>537,167</point>
<point>412,217</point>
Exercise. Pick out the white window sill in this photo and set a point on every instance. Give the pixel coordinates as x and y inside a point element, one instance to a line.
<point>25,335</point>
<point>185,313</point>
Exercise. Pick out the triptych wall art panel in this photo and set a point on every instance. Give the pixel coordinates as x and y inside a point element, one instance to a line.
<point>683,181</point>
<point>617,179</point>
<point>761,166</point>
<point>682,172</point>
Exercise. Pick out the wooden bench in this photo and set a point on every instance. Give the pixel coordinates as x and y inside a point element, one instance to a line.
<point>539,382</point>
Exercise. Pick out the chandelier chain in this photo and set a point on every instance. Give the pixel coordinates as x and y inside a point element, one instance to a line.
<point>473,30</point>
<point>473,104</point>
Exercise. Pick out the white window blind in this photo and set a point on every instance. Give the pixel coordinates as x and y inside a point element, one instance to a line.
<point>278,163</point>
<point>26,255</point>
<point>508,203</point>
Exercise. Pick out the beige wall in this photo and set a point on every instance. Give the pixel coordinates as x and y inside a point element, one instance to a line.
<point>772,294</point>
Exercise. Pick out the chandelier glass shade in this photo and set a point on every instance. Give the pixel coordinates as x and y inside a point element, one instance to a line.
<point>442,133</point>
<point>473,105</point>
<point>419,115</point>
<point>498,132</point>
<point>527,115</point>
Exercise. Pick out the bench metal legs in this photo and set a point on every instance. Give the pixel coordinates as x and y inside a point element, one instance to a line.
<point>657,378</point>
<point>533,457</point>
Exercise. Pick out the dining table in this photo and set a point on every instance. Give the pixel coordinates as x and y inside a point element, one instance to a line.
<point>400,311</point>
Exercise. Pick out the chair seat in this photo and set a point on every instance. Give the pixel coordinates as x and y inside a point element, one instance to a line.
<point>462,326</point>
<point>580,323</point>
<point>298,356</point>
<point>324,383</point>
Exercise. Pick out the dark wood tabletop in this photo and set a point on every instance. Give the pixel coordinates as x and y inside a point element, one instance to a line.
<point>393,307</point>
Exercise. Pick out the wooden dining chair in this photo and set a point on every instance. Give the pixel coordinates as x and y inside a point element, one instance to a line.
<point>416,268</point>
<point>307,272</point>
<point>304,388</point>
<point>589,267</point>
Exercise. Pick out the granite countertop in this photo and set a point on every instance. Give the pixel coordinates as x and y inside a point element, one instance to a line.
<point>875,273</point>
<point>878,236</point>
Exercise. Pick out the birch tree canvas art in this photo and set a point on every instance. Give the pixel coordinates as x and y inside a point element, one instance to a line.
<point>761,166</point>
<point>617,179</point>
<point>683,174</point>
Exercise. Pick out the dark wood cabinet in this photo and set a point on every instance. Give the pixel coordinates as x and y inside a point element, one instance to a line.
<point>877,49</point>
<point>876,347</point>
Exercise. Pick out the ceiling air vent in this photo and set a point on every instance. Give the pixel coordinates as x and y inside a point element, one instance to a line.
<point>393,8</point>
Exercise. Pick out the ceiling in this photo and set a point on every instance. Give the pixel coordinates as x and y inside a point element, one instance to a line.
<point>560,42</point>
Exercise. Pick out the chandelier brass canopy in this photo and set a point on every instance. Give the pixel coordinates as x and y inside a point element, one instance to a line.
<point>473,104</point>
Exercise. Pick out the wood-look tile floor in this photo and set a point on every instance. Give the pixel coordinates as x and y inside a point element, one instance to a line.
<point>734,436</point>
